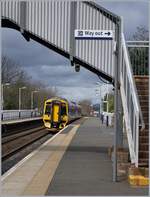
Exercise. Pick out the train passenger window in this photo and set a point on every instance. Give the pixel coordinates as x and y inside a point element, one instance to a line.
<point>48,109</point>
<point>70,112</point>
<point>63,110</point>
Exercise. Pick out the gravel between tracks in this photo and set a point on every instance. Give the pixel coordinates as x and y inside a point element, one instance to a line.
<point>11,161</point>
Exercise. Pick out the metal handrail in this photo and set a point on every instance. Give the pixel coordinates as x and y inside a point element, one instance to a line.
<point>133,117</point>
<point>138,41</point>
<point>133,82</point>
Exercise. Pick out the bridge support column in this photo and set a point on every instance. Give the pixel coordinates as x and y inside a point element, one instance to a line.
<point>117,128</point>
<point>120,123</point>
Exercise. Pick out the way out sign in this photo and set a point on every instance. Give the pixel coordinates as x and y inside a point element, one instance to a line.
<point>94,34</point>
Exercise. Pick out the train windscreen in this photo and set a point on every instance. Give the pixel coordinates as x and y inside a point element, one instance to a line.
<point>48,109</point>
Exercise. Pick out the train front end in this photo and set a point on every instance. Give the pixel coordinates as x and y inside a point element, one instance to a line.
<point>55,113</point>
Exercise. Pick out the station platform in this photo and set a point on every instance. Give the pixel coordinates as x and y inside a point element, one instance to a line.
<point>73,162</point>
<point>20,120</point>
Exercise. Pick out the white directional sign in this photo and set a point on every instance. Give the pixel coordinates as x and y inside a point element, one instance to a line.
<point>93,34</point>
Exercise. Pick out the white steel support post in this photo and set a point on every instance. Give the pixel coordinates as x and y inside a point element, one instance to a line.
<point>32,99</point>
<point>117,80</point>
<point>100,94</point>
<point>100,111</point>
<point>22,88</point>
<point>19,99</point>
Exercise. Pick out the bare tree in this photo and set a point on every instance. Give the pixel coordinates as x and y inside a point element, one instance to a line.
<point>139,55</point>
<point>13,73</point>
<point>44,94</point>
<point>141,34</point>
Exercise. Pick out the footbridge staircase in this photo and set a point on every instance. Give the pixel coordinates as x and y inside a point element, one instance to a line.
<point>52,24</point>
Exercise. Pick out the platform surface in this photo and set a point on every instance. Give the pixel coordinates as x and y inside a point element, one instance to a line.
<point>74,162</point>
<point>86,168</point>
<point>20,120</point>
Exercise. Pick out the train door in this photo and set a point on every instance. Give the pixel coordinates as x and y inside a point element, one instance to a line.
<point>47,111</point>
<point>56,113</point>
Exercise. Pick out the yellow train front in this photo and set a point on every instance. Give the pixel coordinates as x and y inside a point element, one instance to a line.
<point>58,112</point>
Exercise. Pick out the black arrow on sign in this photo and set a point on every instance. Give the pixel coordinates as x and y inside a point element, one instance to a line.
<point>107,33</point>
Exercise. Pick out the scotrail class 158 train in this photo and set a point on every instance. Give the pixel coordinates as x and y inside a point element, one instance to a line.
<point>58,112</point>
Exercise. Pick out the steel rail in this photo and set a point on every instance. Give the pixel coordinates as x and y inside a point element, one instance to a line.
<point>11,147</point>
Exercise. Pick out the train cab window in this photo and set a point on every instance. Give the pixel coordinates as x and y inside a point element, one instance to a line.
<point>63,109</point>
<point>48,109</point>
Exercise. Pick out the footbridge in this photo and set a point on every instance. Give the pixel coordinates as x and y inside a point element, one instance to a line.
<point>60,26</point>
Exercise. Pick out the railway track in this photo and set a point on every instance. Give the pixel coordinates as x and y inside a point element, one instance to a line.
<point>15,143</point>
<point>20,142</point>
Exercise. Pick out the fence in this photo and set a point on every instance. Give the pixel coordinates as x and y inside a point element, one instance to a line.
<point>16,114</point>
<point>139,54</point>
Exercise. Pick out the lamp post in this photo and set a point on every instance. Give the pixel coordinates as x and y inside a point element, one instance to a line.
<point>100,93</point>
<point>107,96</point>
<point>99,85</point>
<point>2,93</point>
<point>22,88</point>
<point>32,93</point>
<point>106,105</point>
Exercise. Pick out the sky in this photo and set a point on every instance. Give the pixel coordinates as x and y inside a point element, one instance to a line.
<point>53,70</point>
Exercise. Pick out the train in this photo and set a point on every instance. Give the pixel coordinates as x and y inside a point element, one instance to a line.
<point>59,111</point>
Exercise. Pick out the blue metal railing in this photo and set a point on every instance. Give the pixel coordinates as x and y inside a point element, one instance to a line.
<point>18,114</point>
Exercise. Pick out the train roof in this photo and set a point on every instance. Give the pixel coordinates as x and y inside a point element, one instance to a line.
<point>61,98</point>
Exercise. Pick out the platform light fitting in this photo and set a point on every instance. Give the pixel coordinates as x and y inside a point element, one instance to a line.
<point>77,67</point>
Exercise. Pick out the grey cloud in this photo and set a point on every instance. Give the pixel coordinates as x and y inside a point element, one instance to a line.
<point>62,76</point>
<point>77,94</point>
<point>133,13</point>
